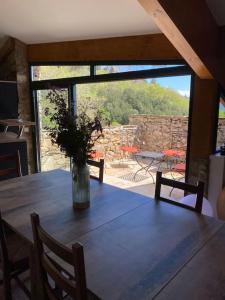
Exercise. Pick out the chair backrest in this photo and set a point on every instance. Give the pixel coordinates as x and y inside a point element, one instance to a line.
<point>98,164</point>
<point>74,285</point>
<point>198,190</point>
<point>13,159</point>
<point>3,246</point>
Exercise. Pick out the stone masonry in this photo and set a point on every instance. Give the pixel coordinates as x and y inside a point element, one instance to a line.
<point>157,133</point>
<point>151,133</point>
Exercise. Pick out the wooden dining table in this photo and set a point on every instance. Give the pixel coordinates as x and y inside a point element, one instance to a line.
<point>135,247</point>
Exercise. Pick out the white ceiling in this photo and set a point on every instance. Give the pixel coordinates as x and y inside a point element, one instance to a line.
<point>37,21</point>
<point>217,8</point>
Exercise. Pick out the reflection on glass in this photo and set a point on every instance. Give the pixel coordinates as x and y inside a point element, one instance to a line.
<point>55,72</point>
<point>107,69</point>
<point>221,122</point>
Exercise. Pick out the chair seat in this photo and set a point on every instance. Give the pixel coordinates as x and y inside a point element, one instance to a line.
<point>97,154</point>
<point>14,259</point>
<point>179,167</point>
<point>129,149</point>
<point>173,152</point>
<point>18,249</point>
<point>18,253</point>
<point>191,200</point>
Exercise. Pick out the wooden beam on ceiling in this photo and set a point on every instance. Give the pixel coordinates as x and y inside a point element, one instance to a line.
<point>190,27</point>
<point>143,47</point>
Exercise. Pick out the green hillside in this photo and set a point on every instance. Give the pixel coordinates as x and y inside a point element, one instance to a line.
<point>117,100</point>
<point>121,99</point>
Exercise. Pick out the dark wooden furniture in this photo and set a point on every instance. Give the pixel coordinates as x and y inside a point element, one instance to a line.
<point>198,190</point>
<point>135,247</point>
<point>16,123</point>
<point>15,169</point>
<point>73,286</point>
<point>9,143</point>
<point>14,260</point>
<point>100,165</point>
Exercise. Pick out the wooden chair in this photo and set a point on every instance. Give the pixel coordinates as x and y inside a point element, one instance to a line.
<point>15,170</point>
<point>73,285</point>
<point>198,190</point>
<point>98,164</point>
<point>14,260</point>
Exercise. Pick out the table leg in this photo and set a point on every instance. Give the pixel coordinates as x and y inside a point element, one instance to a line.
<point>156,163</point>
<point>144,168</point>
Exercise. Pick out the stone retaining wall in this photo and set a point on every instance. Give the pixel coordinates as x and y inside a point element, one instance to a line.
<point>152,133</point>
<point>109,145</point>
<point>221,132</point>
<point>156,133</point>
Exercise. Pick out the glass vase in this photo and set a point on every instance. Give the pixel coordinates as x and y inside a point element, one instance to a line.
<point>80,186</point>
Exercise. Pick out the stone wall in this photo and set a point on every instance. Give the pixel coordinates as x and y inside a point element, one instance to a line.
<point>51,157</point>
<point>221,132</point>
<point>152,133</point>
<point>157,133</point>
<point>109,145</point>
<point>24,107</point>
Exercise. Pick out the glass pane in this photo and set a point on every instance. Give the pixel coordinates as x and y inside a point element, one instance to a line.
<point>50,155</point>
<point>107,69</point>
<point>149,116</point>
<point>221,123</point>
<point>119,100</point>
<point>55,72</point>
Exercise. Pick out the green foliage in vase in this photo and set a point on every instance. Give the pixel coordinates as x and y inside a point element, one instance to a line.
<point>74,134</point>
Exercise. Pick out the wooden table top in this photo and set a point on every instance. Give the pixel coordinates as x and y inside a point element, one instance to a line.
<point>135,247</point>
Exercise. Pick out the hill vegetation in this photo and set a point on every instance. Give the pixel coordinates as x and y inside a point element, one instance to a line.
<point>115,101</point>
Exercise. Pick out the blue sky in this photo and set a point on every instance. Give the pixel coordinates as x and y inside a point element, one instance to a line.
<point>179,83</point>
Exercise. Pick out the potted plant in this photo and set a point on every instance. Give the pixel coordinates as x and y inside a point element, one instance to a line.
<point>75,135</point>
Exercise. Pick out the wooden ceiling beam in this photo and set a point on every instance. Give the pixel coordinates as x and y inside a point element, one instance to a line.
<point>190,27</point>
<point>143,47</point>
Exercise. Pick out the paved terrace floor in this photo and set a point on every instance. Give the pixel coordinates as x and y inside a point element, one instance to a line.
<point>122,174</point>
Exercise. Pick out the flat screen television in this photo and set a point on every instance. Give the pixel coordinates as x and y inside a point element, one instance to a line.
<point>8,100</point>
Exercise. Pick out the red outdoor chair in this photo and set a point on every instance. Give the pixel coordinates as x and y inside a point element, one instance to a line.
<point>180,168</point>
<point>174,153</point>
<point>128,150</point>
<point>97,154</point>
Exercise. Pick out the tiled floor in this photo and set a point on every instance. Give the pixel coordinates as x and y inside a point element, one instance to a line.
<point>122,175</point>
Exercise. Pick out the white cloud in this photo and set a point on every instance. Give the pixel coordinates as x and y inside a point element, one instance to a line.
<point>184,92</point>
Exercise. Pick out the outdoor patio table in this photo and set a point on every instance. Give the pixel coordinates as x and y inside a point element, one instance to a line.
<point>134,247</point>
<point>148,159</point>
